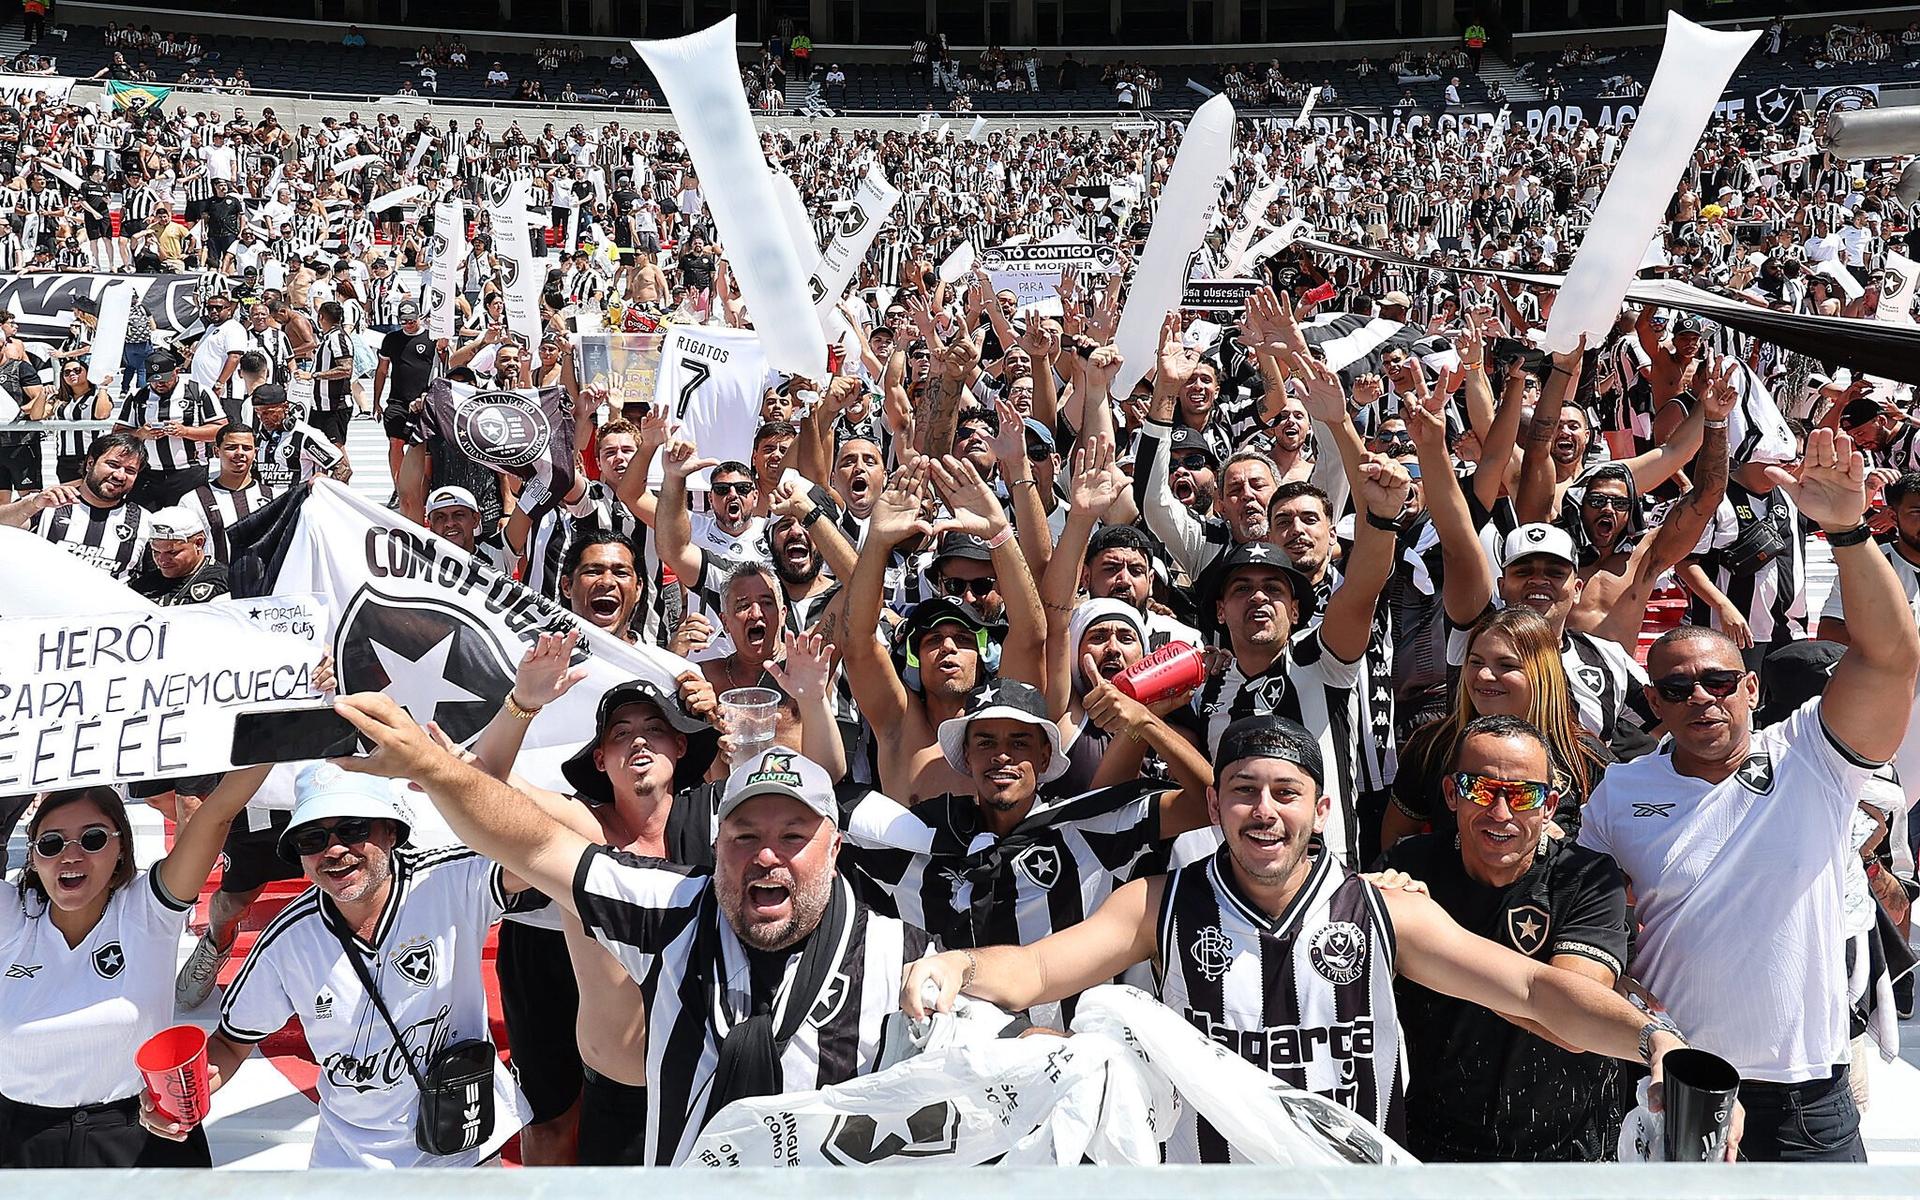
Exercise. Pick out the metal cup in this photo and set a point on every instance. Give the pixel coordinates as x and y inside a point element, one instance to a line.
<point>1699,1089</point>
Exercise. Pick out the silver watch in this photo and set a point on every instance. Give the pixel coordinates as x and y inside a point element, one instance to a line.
<point>1656,1023</point>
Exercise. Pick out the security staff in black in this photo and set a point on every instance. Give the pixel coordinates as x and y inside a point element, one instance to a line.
<point>1482,1088</point>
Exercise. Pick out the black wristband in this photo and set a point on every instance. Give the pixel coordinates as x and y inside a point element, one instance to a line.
<point>1390,524</point>
<point>813,515</point>
<point>1862,532</point>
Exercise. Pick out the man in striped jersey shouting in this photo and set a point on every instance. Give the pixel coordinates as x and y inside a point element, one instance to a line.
<point>1276,951</point>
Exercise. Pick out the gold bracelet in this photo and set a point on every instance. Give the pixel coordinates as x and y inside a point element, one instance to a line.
<point>518,713</point>
<point>1472,366</point>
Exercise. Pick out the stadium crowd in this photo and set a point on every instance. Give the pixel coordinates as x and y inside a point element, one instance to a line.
<point>1401,603</point>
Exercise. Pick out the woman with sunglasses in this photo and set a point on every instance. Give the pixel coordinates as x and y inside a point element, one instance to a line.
<point>1482,1087</point>
<point>90,943</point>
<point>1513,668</point>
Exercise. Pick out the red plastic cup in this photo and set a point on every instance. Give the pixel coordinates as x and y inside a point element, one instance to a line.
<point>1174,668</point>
<point>174,1064</point>
<point>1319,295</point>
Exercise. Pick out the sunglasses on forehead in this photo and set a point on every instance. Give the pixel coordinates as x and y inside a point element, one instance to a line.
<point>1718,684</point>
<point>1520,795</point>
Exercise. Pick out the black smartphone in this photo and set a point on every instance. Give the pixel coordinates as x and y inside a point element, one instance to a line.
<point>293,735</point>
<point>1534,359</point>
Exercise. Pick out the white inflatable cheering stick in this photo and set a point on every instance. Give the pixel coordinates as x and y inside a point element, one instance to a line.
<point>701,78</point>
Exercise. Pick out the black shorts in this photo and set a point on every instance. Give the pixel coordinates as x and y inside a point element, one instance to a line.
<point>613,1122</point>
<point>159,489</point>
<point>68,468</point>
<point>250,860</point>
<point>20,465</point>
<point>95,1135</point>
<point>541,1000</point>
<point>332,424</point>
<point>401,424</point>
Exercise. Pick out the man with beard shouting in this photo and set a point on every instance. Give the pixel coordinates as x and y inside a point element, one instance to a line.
<point>766,975</point>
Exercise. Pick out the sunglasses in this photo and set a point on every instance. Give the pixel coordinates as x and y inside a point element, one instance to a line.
<point>73,370</point>
<point>970,589</point>
<point>1193,460</point>
<point>741,488</point>
<point>1616,503</point>
<point>1520,795</point>
<point>314,839</point>
<point>52,844</point>
<point>1392,443</point>
<point>1718,684</point>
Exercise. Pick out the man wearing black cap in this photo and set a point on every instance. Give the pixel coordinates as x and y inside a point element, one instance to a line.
<point>1193,471</point>
<point>1287,663</point>
<point>997,866</point>
<point>290,450</point>
<point>1283,955</point>
<point>178,420</point>
<point>766,976</point>
<point>945,640</point>
<point>573,1016</point>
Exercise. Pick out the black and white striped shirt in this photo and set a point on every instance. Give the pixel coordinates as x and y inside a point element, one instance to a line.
<point>113,539</point>
<point>335,349</point>
<point>940,871</point>
<point>1307,684</point>
<point>1306,996</point>
<point>599,508</point>
<point>662,922</point>
<point>190,405</point>
<point>1773,599</point>
<point>223,506</point>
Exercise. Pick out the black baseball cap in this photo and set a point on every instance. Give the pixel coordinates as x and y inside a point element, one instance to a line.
<point>266,393</point>
<point>938,611</point>
<point>961,545</point>
<point>591,783</point>
<point>162,362</point>
<point>1257,554</point>
<point>1185,439</point>
<point>1269,737</point>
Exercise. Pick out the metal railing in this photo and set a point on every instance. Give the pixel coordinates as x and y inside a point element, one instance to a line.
<point>1599,1181</point>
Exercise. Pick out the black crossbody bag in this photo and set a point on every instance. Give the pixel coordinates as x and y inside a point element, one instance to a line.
<point>456,1091</point>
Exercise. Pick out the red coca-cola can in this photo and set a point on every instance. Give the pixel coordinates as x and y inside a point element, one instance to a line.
<point>1174,668</point>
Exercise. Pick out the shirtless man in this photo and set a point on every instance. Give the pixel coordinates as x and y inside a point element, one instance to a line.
<point>582,1056</point>
<point>1556,440</point>
<point>648,283</point>
<point>1622,574</point>
<point>948,640</point>
<point>1675,362</point>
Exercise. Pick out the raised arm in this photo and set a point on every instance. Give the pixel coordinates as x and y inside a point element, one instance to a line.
<point>487,815</point>
<point>1879,666</point>
<point>673,522</point>
<point>1341,450</point>
<point>976,510</point>
<point>1466,578</point>
<point>1687,518</point>
<point>184,871</point>
<point>1539,484</point>
<point>805,672</point>
<point>1168,519</point>
<point>545,674</point>
<point>1347,625</point>
<point>1093,488</point>
<point>896,517</point>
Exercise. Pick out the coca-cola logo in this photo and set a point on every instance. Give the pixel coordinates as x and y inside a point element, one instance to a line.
<point>378,1070</point>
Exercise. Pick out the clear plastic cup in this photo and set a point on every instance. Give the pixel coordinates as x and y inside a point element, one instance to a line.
<point>750,715</point>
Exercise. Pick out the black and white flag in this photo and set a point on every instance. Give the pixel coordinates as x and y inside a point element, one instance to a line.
<point>437,629</point>
<point>527,432</point>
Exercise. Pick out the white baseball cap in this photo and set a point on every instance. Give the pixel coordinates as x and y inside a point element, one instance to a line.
<point>1537,538</point>
<point>451,497</point>
<point>778,771</point>
<point>176,523</point>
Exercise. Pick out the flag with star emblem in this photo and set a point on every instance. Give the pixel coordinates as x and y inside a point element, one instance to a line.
<point>1776,105</point>
<point>525,431</point>
<point>438,630</point>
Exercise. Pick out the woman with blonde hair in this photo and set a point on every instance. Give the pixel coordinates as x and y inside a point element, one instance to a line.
<point>1512,668</point>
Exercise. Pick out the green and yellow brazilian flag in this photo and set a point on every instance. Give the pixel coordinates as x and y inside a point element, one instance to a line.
<point>135,96</point>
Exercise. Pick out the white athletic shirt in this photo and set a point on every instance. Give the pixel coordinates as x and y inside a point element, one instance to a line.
<point>710,380</point>
<point>1738,886</point>
<point>71,1019</point>
<point>425,959</point>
